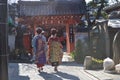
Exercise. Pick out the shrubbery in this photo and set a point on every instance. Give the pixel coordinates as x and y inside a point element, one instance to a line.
<point>79,53</point>
<point>96,63</point>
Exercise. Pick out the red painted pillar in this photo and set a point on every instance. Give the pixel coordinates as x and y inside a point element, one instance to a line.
<point>67,38</point>
<point>27,42</point>
<point>70,36</point>
<point>70,45</point>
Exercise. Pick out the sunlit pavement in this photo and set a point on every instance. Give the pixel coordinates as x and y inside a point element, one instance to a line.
<point>68,70</point>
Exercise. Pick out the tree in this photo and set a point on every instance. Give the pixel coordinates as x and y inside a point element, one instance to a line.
<point>96,7</point>
<point>117,1</point>
<point>96,12</point>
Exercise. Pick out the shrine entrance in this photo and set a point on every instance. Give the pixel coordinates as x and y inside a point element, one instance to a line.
<point>62,15</point>
<point>64,24</point>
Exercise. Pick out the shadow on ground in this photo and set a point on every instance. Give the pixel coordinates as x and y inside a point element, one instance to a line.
<point>58,76</point>
<point>13,72</point>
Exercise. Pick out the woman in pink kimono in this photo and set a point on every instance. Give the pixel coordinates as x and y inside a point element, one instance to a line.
<point>54,49</point>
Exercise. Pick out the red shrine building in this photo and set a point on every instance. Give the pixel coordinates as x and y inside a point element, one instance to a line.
<point>60,14</point>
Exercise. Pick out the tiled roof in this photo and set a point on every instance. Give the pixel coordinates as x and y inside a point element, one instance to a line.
<point>112,7</point>
<point>114,23</point>
<point>33,8</point>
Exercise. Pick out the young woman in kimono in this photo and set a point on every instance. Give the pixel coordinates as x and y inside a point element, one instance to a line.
<point>54,50</point>
<point>38,44</point>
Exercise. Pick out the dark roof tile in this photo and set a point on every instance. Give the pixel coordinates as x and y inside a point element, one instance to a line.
<point>112,7</point>
<point>33,8</point>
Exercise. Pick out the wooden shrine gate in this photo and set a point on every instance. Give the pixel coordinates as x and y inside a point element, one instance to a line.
<point>60,22</point>
<point>60,14</point>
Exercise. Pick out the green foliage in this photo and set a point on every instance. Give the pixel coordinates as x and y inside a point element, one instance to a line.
<point>91,3</point>
<point>81,50</point>
<point>96,7</point>
<point>96,63</point>
<point>20,51</point>
<point>104,15</point>
<point>17,53</point>
<point>72,54</point>
<point>78,52</point>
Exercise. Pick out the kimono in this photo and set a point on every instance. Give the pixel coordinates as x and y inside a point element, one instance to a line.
<point>54,51</point>
<point>39,50</point>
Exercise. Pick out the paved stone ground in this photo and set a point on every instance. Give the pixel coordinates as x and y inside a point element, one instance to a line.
<point>101,75</point>
<point>68,70</point>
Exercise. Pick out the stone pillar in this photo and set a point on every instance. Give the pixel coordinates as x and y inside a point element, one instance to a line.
<point>87,62</point>
<point>3,41</point>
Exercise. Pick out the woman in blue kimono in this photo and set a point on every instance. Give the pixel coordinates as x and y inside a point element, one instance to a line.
<point>38,44</point>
